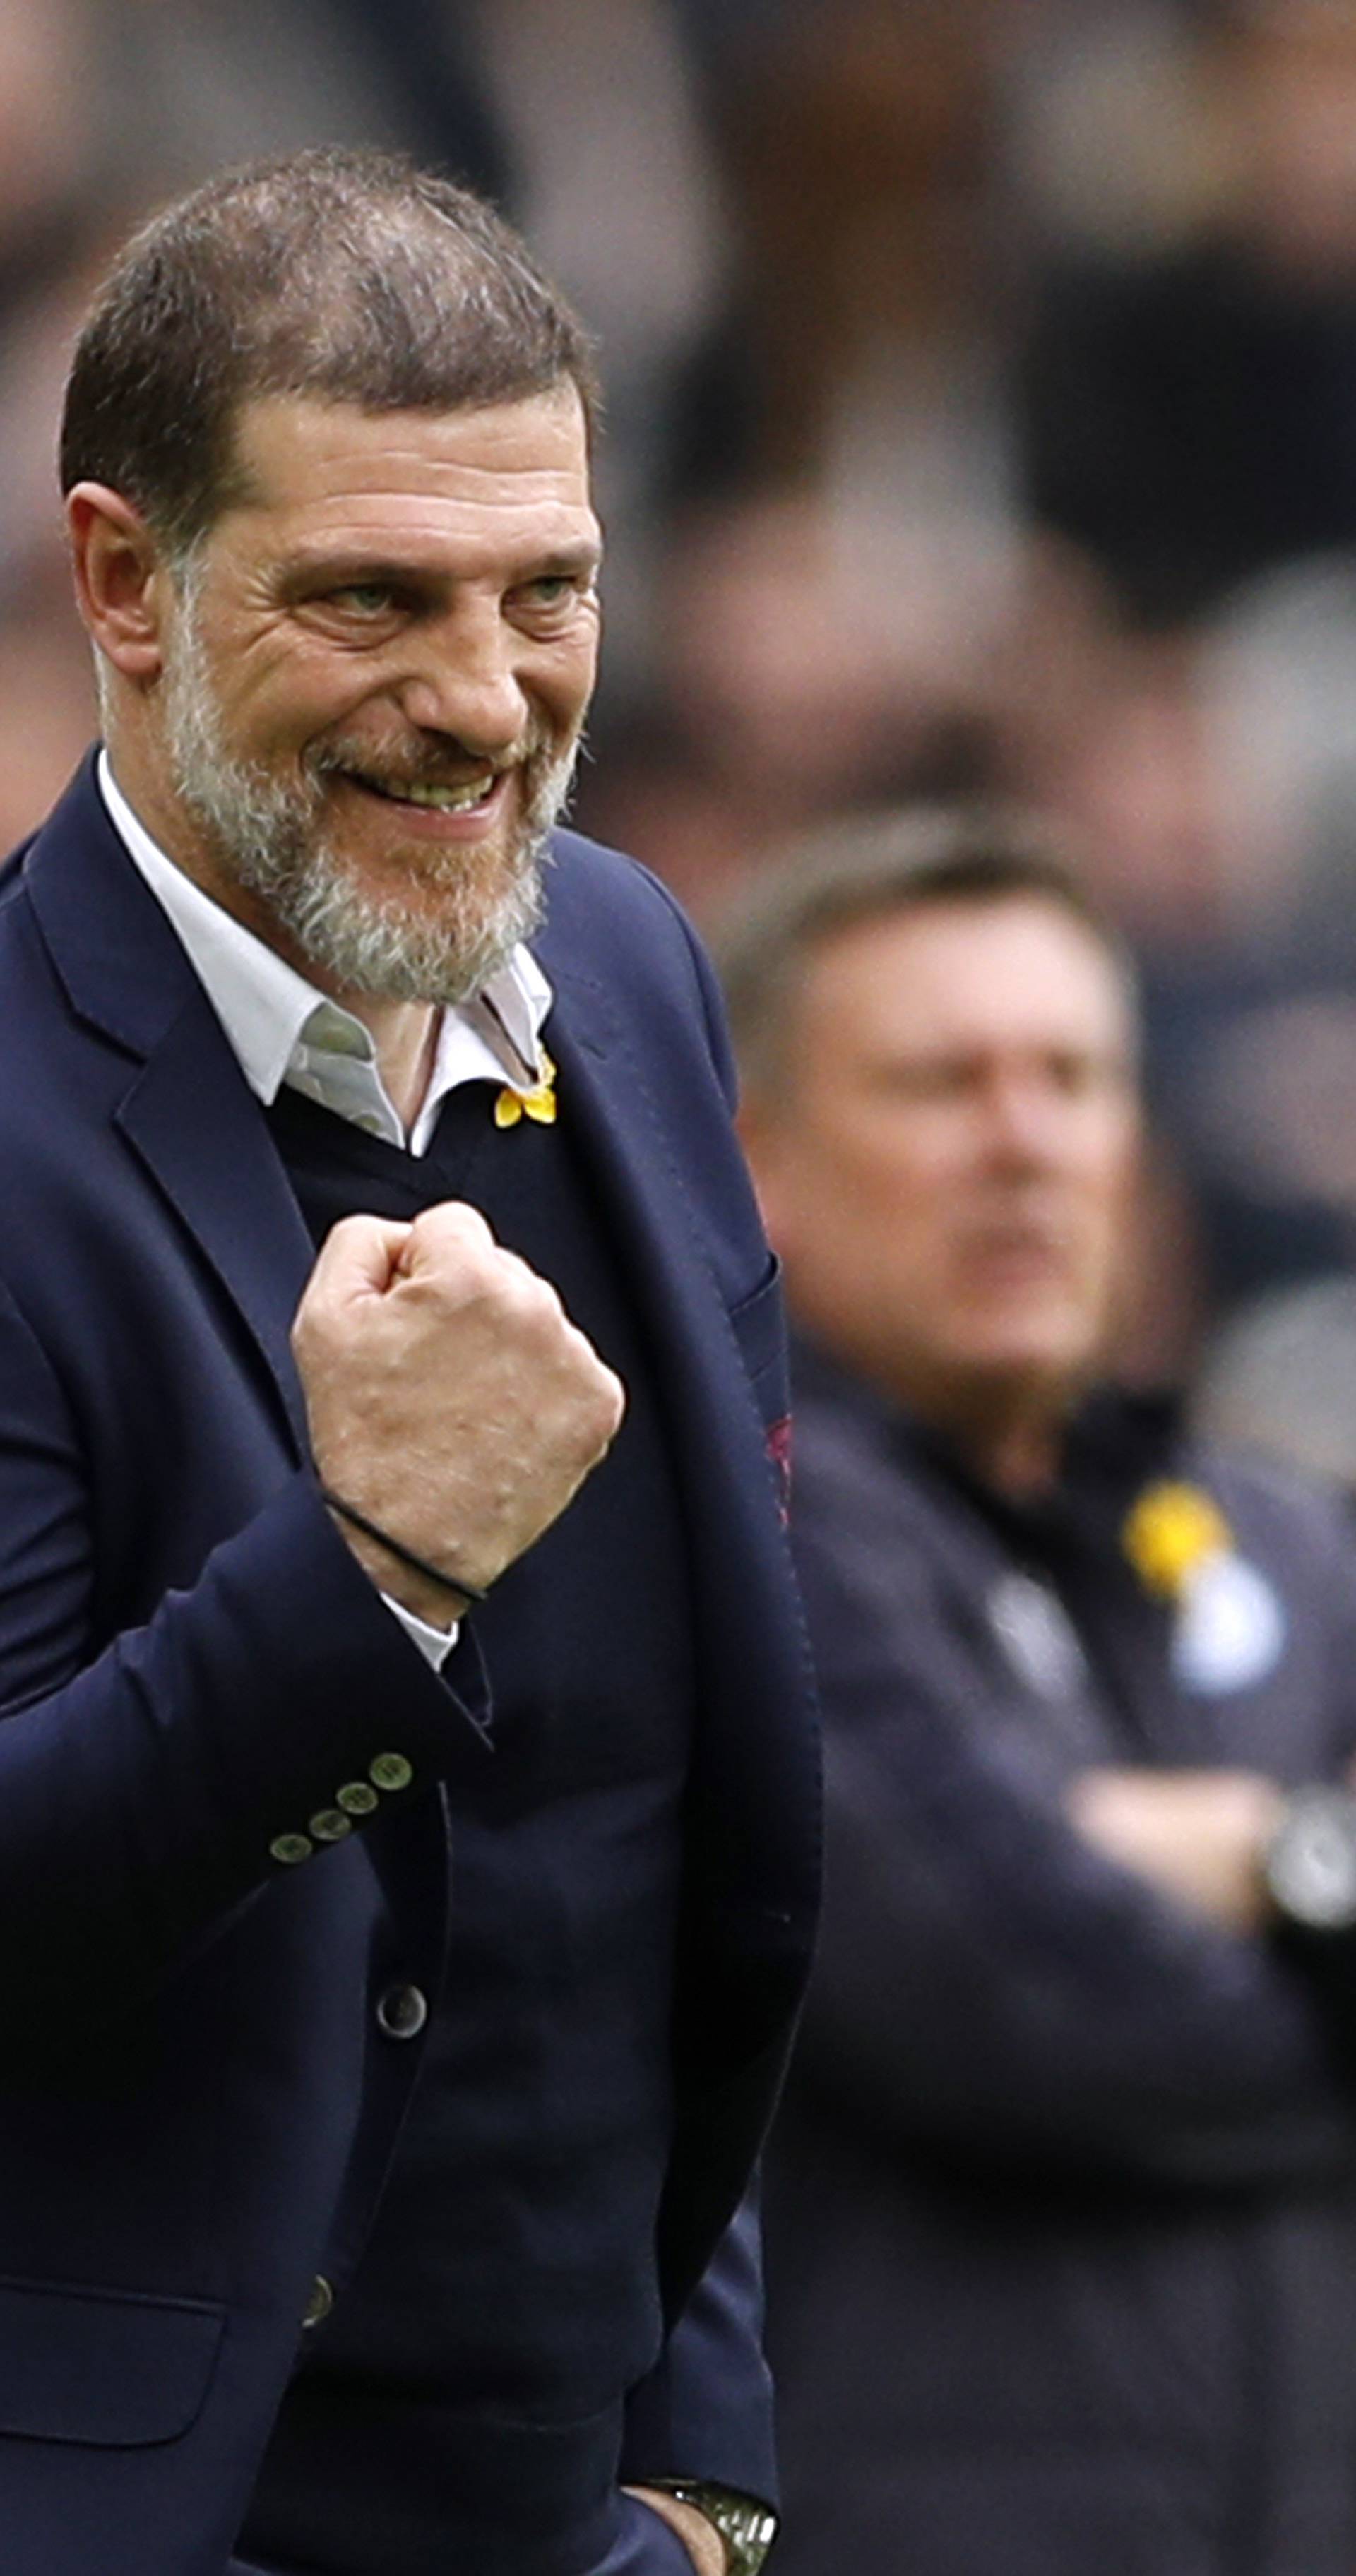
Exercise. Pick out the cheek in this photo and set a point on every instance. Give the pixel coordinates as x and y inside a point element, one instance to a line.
<point>890,1227</point>
<point>917,1182</point>
<point>284,690</point>
<point>1111,1190</point>
<point>272,712</point>
<point>565,685</point>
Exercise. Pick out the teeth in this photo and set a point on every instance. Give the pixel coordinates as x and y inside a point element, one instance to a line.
<point>443,800</point>
<point>450,800</point>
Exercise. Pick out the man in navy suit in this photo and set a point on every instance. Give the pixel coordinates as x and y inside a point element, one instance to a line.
<point>491,1535</point>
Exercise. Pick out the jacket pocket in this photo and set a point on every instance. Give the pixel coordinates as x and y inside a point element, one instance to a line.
<point>103,2367</point>
<point>759,1327</point>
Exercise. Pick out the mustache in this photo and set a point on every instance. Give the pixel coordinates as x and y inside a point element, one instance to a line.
<point>431,761</point>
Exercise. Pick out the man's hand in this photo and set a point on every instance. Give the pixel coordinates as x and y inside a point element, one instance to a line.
<point>1200,1836</point>
<point>450,1398</point>
<point>700,2538</point>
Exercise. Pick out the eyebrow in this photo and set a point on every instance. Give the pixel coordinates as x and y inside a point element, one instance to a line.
<point>583,557</point>
<point>558,562</point>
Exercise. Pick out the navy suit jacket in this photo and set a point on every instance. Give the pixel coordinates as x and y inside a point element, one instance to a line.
<point>194,2118</point>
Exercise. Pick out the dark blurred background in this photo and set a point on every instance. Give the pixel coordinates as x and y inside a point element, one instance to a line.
<point>982,416</point>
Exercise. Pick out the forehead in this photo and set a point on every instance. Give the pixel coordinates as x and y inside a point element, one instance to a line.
<point>1016,972</point>
<point>323,473</point>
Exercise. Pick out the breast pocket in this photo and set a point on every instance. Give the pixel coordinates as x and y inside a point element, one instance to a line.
<point>759,1324</point>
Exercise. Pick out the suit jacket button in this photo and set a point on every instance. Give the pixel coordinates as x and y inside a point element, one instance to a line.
<point>357,1798</point>
<point>319,2303</point>
<point>391,1771</point>
<point>402,2012</point>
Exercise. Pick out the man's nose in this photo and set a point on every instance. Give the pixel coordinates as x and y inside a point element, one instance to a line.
<point>1025,1125</point>
<point>467,684</point>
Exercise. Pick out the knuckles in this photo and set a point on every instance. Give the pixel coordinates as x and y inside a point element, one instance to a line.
<point>452,1228</point>
<point>456,1297</point>
<point>610,1401</point>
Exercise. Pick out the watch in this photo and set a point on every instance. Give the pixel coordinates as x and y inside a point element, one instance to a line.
<point>747,2528</point>
<point>1310,1865</point>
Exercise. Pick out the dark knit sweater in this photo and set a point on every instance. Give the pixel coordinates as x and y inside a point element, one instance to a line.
<point>460,2410</point>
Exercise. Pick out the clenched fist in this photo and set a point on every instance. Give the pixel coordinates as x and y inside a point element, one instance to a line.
<point>450,1398</point>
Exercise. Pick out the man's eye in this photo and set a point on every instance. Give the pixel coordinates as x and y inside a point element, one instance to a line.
<point>941,1080</point>
<point>552,589</point>
<point>367,598</point>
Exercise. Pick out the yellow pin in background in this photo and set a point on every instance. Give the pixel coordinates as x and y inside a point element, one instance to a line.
<point>539,1104</point>
<point>1172,1531</point>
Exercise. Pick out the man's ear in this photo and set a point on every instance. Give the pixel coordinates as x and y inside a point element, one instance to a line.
<point>122,584</point>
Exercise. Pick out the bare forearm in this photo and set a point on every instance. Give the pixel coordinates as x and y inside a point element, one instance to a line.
<point>1198,1836</point>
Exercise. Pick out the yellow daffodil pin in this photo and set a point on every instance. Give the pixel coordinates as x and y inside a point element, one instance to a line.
<point>538,1104</point>
<point>1172,1531</point>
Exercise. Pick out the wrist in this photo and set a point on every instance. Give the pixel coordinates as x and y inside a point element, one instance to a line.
<point>1310,1863</point>
<point>742,2528</point>
<point>427,1591</point>
<point>699,2537</point>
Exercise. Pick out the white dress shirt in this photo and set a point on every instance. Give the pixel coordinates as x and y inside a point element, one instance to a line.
<point>284,1030</point>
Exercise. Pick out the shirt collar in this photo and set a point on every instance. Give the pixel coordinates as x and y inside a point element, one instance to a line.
<point>272,1015</point>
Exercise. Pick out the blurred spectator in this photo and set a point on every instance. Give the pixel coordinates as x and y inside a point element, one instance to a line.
<point>1190,401</point>
<point>856,139</point>
<point>614,180</point>
<point>1281,1378</point>
<point>804,664</point>
<point>1062,2206</point>
<point>815,656</point>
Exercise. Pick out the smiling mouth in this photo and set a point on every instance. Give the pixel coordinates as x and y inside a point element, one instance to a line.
<point>464,799</point>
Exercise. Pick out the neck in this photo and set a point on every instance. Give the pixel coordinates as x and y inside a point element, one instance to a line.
<point>1010,1437</point>
<point>405,1035</point>
<point>1019,1458</point>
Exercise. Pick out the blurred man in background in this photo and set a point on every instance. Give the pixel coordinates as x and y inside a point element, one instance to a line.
<point>1063,2227</point>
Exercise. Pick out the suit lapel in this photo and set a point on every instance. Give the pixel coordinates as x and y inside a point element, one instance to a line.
<point>604,1090</point>
<point>171,1083</point>
<point>752,1844</point>
<point>234,1198</point>
<point>754,1669</point>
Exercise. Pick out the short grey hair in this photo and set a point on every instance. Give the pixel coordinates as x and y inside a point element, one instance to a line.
<point>884,864</point>
<point>345,276</point>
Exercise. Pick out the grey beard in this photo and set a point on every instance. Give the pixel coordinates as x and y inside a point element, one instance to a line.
<point>267,834</point>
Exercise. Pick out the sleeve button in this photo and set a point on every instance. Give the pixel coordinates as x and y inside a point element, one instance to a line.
<point>331,1825</point>
<point>290,1848</point>
<point>357,1798</point>
<point>391,1771</point>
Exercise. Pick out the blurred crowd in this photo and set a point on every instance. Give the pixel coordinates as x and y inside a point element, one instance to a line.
<point>982,417</point>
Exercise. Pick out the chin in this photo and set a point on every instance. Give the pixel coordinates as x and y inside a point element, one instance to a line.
<point>1032,1360</point>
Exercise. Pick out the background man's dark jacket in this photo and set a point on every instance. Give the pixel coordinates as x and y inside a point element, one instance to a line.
<point>197,2103</point>
<point>1062,2233</point>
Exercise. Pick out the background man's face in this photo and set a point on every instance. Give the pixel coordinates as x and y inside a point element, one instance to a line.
<point>947,1176</point>
<point>378,673</point>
